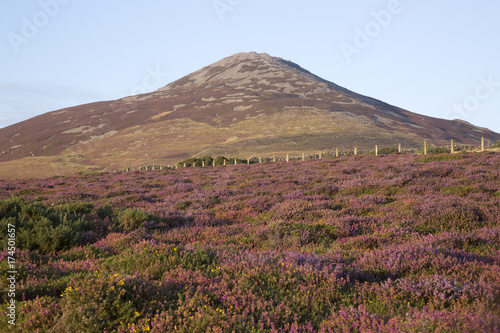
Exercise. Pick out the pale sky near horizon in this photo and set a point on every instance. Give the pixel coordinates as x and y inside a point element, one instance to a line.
<point>439,59</point>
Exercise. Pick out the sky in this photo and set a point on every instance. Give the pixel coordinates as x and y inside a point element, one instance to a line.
<point>437,58</point>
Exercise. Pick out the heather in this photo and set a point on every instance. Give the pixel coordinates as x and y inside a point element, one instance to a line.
<point>393,243</point>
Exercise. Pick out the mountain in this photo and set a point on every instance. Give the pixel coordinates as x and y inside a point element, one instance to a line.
<point>248,104</point>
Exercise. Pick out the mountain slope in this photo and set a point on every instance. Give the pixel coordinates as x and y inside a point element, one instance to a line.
<point>242,105</point>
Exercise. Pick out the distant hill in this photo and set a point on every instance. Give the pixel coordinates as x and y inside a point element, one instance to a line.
<point>248,104</point>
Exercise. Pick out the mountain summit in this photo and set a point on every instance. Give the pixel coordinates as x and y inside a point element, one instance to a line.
<point>245,68</point>
<point>243,105</point>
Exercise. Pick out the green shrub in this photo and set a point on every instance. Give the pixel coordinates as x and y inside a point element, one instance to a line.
<point>196,161</point>
<point>439,150</point>
<point>26,191</point>
<point>219,160</point>
<point>192,161</point>
<point>387,151</point>
<point>233,159</point>
<point>131,219</point>
<point>39,228</point>
<point>10,207</point>
<point>207,159</point>
<point>109,303</point>
<point>78,208</point>
<point>105,212</point>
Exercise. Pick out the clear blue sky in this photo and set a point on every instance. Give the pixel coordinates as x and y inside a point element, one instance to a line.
<point>424,56</point>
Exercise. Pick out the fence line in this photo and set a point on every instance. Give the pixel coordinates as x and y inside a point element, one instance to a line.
<point>320,155</point>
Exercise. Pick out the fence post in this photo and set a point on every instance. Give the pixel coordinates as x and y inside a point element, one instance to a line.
<point>274,158</point>
<point>355,151</point>
<point>425,147</point>
<point>213,162</point>
<point>482,143</point>
<point>399,148</point>
<point>336,152</point>
<point>260,160</point>
<point>376,150</point>
<point>248,161</point>
<point>452,149</point>
<point>224,162</point>
<point>320,155</point>
<point>235,161</point>
<point>287,159</point>
<point>184,164</point>
<point>303,157</point>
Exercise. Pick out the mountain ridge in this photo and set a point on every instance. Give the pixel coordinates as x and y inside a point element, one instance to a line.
<point>241,105</point>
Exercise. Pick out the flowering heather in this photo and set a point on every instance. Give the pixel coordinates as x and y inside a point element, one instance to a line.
<point>395,243</point>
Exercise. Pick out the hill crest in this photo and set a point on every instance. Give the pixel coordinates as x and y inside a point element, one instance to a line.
<point>242,105</point>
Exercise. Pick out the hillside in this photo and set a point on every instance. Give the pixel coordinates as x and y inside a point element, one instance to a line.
<point>394,243</point>
<point>245,105</point>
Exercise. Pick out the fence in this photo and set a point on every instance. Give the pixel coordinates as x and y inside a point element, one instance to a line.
<point>426,149</point>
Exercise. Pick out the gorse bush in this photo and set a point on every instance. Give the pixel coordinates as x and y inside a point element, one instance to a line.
<point>387,151</point>
<point>131,219</point>
<point>43,229</point>
<point>195,161</point>
<point>106,303</point>
<point>438,150</point>
<point>219,160</point>
<point>208,160</point>
<point>105,212</point>
<point>77,208</point>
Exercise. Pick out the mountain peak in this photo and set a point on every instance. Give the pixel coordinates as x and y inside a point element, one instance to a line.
<point>243,105</point>
<point>246,68</point>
